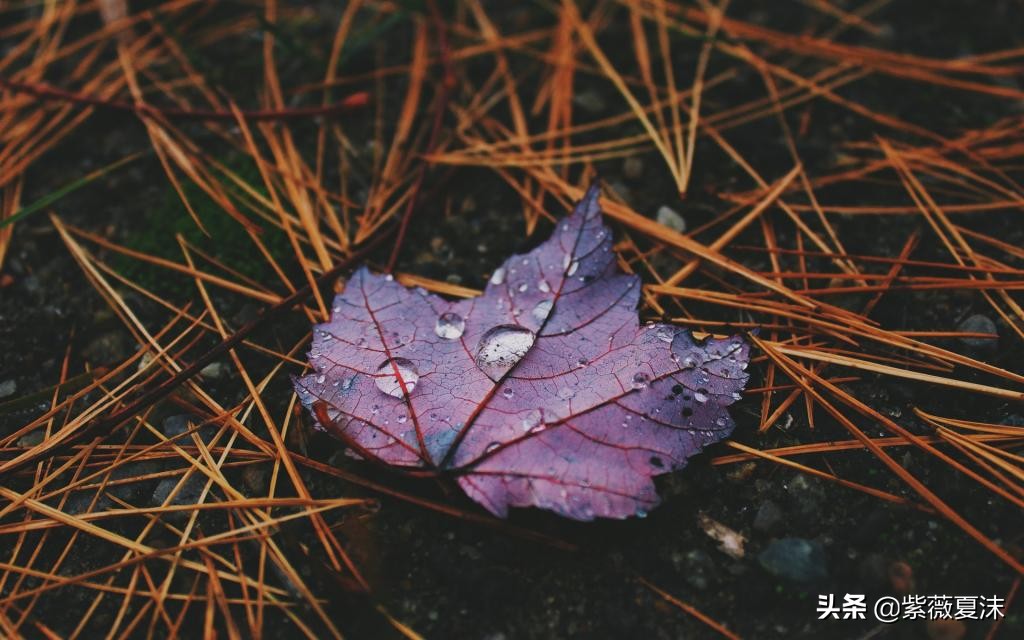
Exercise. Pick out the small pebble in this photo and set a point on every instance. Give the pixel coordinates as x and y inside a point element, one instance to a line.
<point>214,371</point>
<point>796,559</point>
<point>668,217</point>
<point>107,348</point>
<point>769,518</point>
<point>189,493</point>
<point>590,101</point>
<point>8,388</point>
<point>979,324</point>
<point>31,439</point>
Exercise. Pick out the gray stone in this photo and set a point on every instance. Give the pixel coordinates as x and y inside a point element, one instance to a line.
<point>8,388</point>
<point>769,518</point>
<point>109,347</point>
<point>668,217</point>
<point>189,493</point>
<point>176,425</point>
<point>179,424</point>
<point>590,101</point>
<point>806,493</point>
<point>31,439</point>
<point>215,371</point>
<point>795,559</point>
<point>130,492</point>
<point>979,324</point>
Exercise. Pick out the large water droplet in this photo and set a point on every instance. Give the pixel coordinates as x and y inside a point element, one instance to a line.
<point>391,384</point>
<point>665,334</point>
<point>573,266</point>
<point>701,395</point>
<point>501,348</point>
<point>508,392</point>
<point>450,326</point>
<point>542,310</point>
<point>544,286</point>
<point>498,276</point>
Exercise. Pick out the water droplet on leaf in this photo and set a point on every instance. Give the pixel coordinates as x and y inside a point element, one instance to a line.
<point>640,380</point>
<point>501,348</point>
<point>390,383</point>
<point>532,420</point>
<point>450,326</point>
<point>542,310</point>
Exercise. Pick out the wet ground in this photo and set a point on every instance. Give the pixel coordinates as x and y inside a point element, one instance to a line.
<point>449,578</point>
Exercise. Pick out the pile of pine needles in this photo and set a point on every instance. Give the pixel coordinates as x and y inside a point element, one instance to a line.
<point>321,169</point>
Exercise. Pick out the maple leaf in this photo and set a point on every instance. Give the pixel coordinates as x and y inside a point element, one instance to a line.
<point>544,391</point>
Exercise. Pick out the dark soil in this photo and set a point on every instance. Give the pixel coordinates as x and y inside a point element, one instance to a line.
<point>448,578</point>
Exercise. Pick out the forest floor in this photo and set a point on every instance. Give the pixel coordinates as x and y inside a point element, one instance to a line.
<point>907,126</point>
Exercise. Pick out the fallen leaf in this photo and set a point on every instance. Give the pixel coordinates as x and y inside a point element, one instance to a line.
<point>544,391</point>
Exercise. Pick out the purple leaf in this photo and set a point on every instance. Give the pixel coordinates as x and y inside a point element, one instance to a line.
<point>544,391</point>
